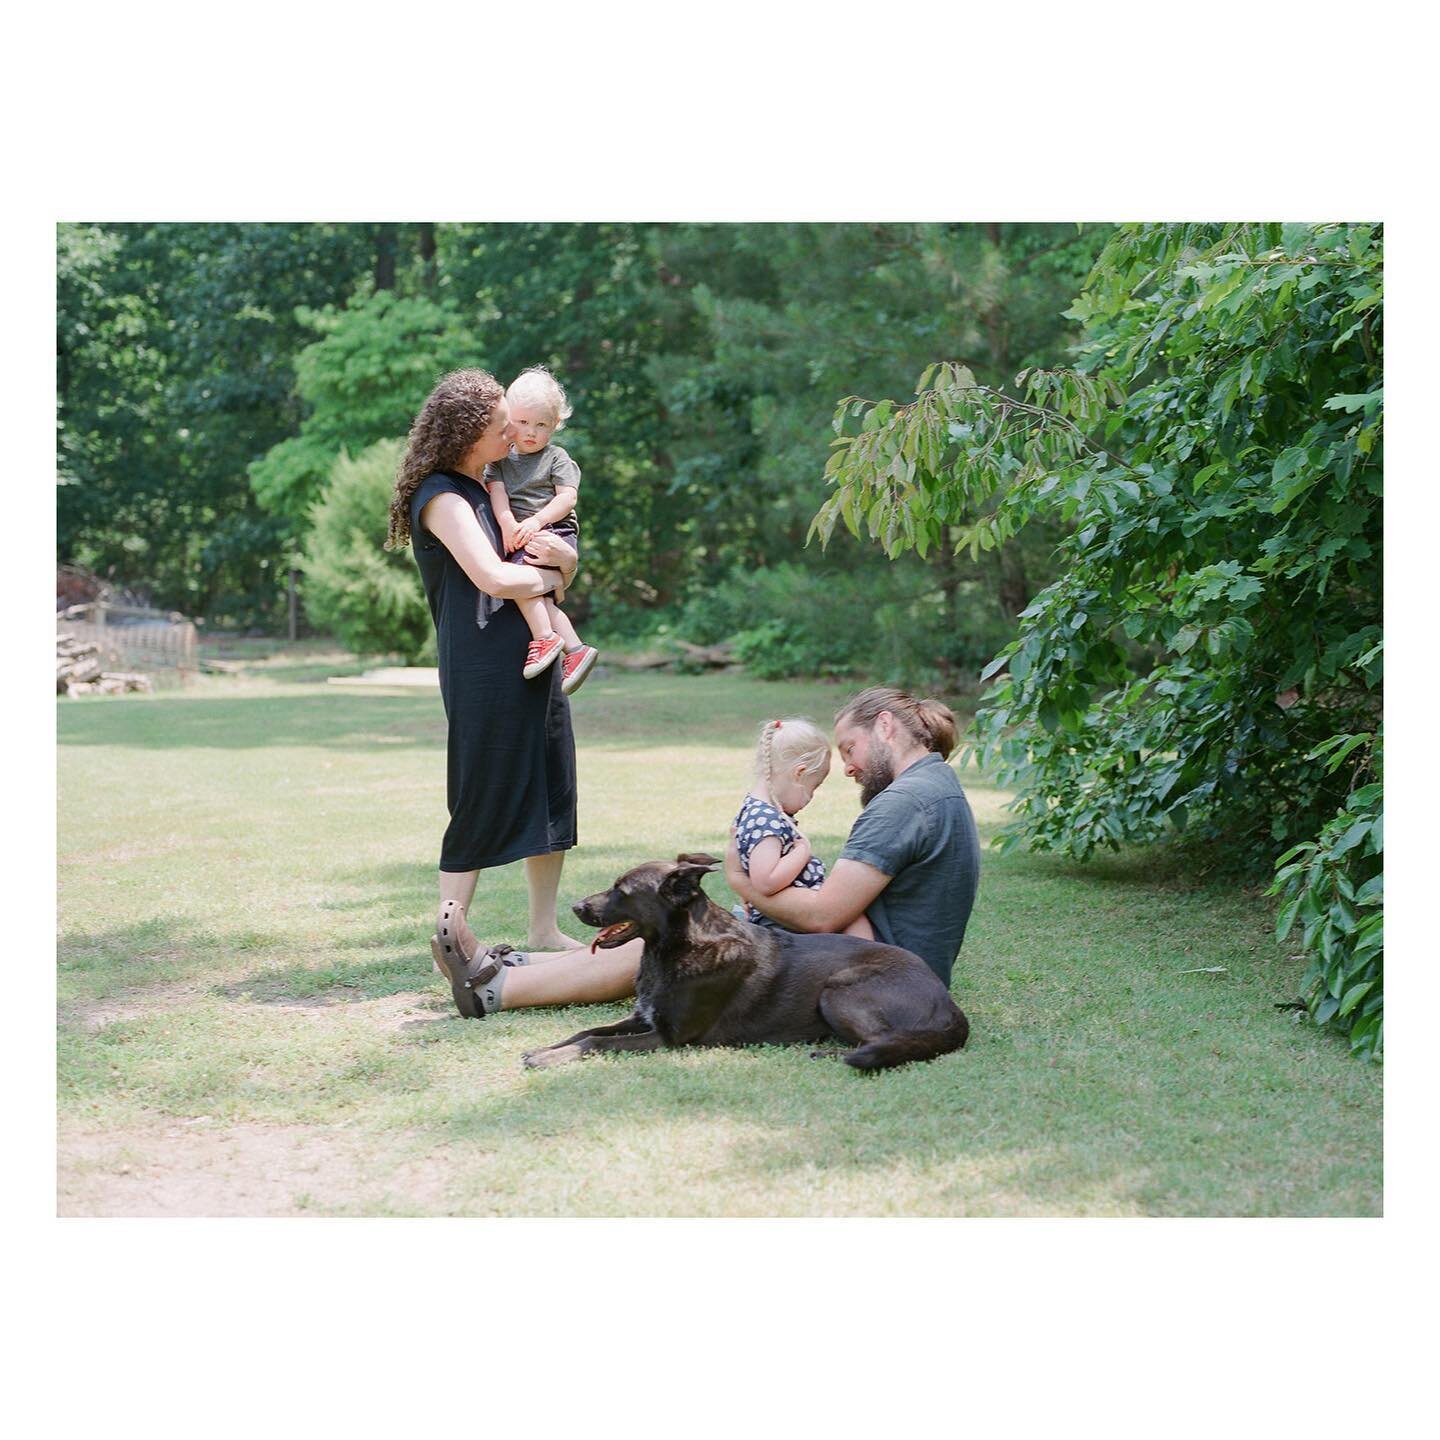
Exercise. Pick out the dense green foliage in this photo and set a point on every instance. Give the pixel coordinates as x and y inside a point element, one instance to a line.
<point>210,375</point>
<point>365,594</point>
<point>1335,887</point>
<point>175,373</point>
<point>892,622</point>
<point>362,381</point>
<point>1215,455</point>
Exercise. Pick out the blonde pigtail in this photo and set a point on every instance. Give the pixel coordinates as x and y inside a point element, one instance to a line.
<point>800,743</point>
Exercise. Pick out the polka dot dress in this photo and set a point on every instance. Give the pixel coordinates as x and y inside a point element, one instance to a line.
<point>759,820</point>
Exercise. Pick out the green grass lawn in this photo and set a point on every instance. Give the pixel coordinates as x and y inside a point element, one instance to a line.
<point>248,1021</point>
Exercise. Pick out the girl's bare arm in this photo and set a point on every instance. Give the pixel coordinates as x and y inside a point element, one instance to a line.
<point>770,871</point>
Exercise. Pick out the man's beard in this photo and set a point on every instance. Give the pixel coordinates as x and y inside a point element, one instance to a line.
<point>879,771</point>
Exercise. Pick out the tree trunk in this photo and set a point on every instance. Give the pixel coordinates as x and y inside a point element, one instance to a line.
<point>948,573</point>
<point>385,245</point>
<point>1014,587</point>
<point>427,254</point>
<point>997,335</point>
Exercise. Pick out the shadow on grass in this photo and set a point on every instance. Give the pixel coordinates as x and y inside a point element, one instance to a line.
<point>141,962</point>
<point>386,954</point>
<point>338,982</point>
<point>391,956</point>
<point>96,966</point>
<point>621,713</point>
<point>342,721</point>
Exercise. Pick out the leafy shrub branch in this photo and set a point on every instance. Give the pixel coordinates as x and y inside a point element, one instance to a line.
<point>1215,455</point>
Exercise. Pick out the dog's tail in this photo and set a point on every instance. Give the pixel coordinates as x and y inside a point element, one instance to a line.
<point>908,1045</point>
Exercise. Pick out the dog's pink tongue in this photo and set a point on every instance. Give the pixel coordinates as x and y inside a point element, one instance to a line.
<point>608,933</point>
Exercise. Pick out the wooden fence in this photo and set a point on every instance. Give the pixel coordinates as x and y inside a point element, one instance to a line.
<point>159,643</point>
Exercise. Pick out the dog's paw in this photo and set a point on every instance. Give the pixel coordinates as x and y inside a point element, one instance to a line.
<point>551,1055</point>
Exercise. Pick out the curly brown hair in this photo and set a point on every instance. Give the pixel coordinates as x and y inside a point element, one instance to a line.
<point>456,414</point>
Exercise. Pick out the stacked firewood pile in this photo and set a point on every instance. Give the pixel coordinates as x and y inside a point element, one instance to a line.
<point>80,670</point>
<point>680,655</point>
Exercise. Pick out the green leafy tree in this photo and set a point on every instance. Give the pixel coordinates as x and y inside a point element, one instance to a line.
<point>175,373</point>
<point>205,369</point>
<point>362,381</point>
<point>1216,454</point>
<point>112,420</point>
<point>370,597</point>
<point>791,315</point>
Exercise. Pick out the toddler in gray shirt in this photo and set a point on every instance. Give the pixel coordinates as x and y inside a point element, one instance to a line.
<point>535,488</point>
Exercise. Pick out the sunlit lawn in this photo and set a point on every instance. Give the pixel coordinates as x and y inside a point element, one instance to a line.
<point>249,1023</point>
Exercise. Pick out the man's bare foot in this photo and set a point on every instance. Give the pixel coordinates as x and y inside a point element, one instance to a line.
<point>551,940</point>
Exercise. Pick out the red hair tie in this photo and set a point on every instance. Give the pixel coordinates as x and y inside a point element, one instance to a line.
<point>777,724</point>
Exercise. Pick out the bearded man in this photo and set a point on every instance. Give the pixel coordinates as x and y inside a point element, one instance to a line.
<point>912,860</point>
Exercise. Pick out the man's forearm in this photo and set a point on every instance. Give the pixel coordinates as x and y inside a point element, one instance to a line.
<point>846,894</point>
<point>796,907</point>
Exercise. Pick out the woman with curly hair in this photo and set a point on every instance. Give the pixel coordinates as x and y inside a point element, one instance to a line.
<point>510,782</point>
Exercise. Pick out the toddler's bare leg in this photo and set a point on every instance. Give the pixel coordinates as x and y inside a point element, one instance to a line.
<point>560,623</point>
<point>537,617</point>
<point>860,926</point>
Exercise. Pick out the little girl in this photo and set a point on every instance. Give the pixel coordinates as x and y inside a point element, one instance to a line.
<point>535,488</point>
<point>791,762</point>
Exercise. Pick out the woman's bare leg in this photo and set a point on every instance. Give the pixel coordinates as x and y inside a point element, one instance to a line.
<point>459,885</point>
<point>542,877</point>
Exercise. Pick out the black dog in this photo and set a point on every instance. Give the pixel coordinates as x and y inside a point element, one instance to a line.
<point>708,978</point>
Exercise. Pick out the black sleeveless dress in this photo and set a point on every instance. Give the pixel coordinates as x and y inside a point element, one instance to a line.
<point>510,778</point>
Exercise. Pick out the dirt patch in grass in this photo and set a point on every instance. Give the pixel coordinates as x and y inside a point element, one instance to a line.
<point>386,1012</point>
<point>198,1167</point>
<point>94,1015</point>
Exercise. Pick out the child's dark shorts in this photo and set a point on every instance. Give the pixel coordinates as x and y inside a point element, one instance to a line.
<point>566,529</point>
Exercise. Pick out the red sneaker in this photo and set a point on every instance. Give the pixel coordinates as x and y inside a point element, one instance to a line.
<point>541,655</point>
<point>578,664</point>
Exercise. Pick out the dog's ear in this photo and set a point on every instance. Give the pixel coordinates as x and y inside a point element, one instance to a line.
<point>682,884</point>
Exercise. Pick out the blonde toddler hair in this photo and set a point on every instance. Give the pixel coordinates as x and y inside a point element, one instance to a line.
<point>537,386</point>
<point>789,742</point>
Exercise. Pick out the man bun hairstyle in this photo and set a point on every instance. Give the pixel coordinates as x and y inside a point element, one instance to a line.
<point>928,722</point>
<point>537,386</point>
